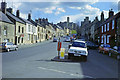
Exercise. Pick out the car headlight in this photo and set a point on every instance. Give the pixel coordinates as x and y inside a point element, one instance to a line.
<point>71,50</point>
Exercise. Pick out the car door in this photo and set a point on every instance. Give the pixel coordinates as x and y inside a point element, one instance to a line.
<point>11,46</point>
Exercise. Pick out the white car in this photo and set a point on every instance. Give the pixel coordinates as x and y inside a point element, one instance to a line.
<point>9,46</point>
<point>78,48</point>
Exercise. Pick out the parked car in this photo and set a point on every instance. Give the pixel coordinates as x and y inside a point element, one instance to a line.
<point>67,39</point>
<point>79,49</point>
<point>91,45</point>
<point>115,52</point>
<point>55,39</point>
<point>104,48</point>
<point>8,46</point>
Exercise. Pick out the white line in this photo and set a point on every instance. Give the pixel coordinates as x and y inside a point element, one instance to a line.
<point>77,75</point>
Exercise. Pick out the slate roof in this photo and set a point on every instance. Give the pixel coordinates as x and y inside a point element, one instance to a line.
<point>33,22</point>
<point>26,21</point>
<point>4,18</point>
<point>14,17</point>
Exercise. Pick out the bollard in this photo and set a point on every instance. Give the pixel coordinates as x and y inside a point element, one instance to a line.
<point>59,48</point>
<point>62,53</point>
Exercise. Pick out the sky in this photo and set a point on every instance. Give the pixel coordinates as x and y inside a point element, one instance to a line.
<point>57,11</point>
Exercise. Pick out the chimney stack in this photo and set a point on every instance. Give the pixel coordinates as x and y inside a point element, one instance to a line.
<point>3,7</point>
<point>18,13</point>
<point>10,10</point>
<point>111,13</point>
<point>39,20</point>
<point>29,16</point>
<point>102,16</point>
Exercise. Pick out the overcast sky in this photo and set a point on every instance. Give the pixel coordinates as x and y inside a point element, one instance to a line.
<point>58,11</point>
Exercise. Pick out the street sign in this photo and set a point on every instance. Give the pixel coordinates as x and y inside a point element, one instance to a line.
<point>62,53</point>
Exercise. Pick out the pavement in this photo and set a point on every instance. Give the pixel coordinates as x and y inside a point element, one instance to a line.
<point>34,44</point>
<point>35,62</point>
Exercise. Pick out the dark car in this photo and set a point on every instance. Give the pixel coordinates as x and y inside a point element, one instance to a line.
<point>91,45</point>
<point>55,39</point>
<point>115,52</point>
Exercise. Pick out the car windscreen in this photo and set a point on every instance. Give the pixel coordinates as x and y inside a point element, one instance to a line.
<point>79,44</point>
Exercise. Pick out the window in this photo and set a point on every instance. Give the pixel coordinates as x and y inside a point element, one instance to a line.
<point>5,30</point>
<point>38,29</point>
<point>108,38</point>
<point>102,29</point>
<point>22,30</point>
<point>18,39</point>
<point>28,28</point>
<point>102,39</point>
<point>19,29</point>
<point>107,26</point>
<point>0,29</point>
<point>113,22</point>
<point>28,36</point>
<point>38,35</point>
<point>22,40</point>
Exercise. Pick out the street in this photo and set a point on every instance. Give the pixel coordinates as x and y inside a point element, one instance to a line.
<point>35,62</point>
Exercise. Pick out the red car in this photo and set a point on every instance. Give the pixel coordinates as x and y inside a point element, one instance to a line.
<point>104,48</point>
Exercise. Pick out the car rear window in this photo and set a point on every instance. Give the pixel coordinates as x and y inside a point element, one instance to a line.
<point>79,44</point>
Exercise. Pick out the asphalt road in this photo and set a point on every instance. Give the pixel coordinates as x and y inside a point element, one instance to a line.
<point>35,62</point>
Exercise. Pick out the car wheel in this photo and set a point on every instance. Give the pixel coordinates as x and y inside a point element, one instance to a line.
<point>110,54</point>
<point>85,58</point>
<point>118,57</point>
<point>16,49</point>
<point>70,56</point>
<point>99,51</point>
<point>8,50</point>
<point>103,52</point>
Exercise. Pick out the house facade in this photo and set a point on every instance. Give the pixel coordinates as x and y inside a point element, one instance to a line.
<point>6,29</point>
<point>108,29</point>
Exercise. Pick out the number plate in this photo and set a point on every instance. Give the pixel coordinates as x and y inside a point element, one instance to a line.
<point>77,55</point>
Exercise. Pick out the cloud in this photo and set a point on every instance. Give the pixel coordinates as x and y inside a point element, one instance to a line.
<point>61,9</point>
<point>76,8</point>
<point>63,1</point>
<point>47,10</point>
<point>87,10</point>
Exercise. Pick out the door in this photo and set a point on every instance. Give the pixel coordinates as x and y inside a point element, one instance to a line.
<point>15,40</point>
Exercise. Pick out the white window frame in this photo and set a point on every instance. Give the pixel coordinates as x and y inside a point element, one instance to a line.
<point>5,32</point>
<point>28,36</point>
<point>108,38</point>
<point>113,24</point>
<point>107,26</point>
<point>102,29</point>
<point>104,39</point>
<point>101,39</point>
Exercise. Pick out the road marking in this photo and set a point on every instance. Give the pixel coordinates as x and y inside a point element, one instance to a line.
<point>77,75</point>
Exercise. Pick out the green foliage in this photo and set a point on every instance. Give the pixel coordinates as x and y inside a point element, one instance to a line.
<point>73,32</point>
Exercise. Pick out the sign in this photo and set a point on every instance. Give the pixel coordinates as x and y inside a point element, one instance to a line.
<point>62,53</point>
<point>22,35</point>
